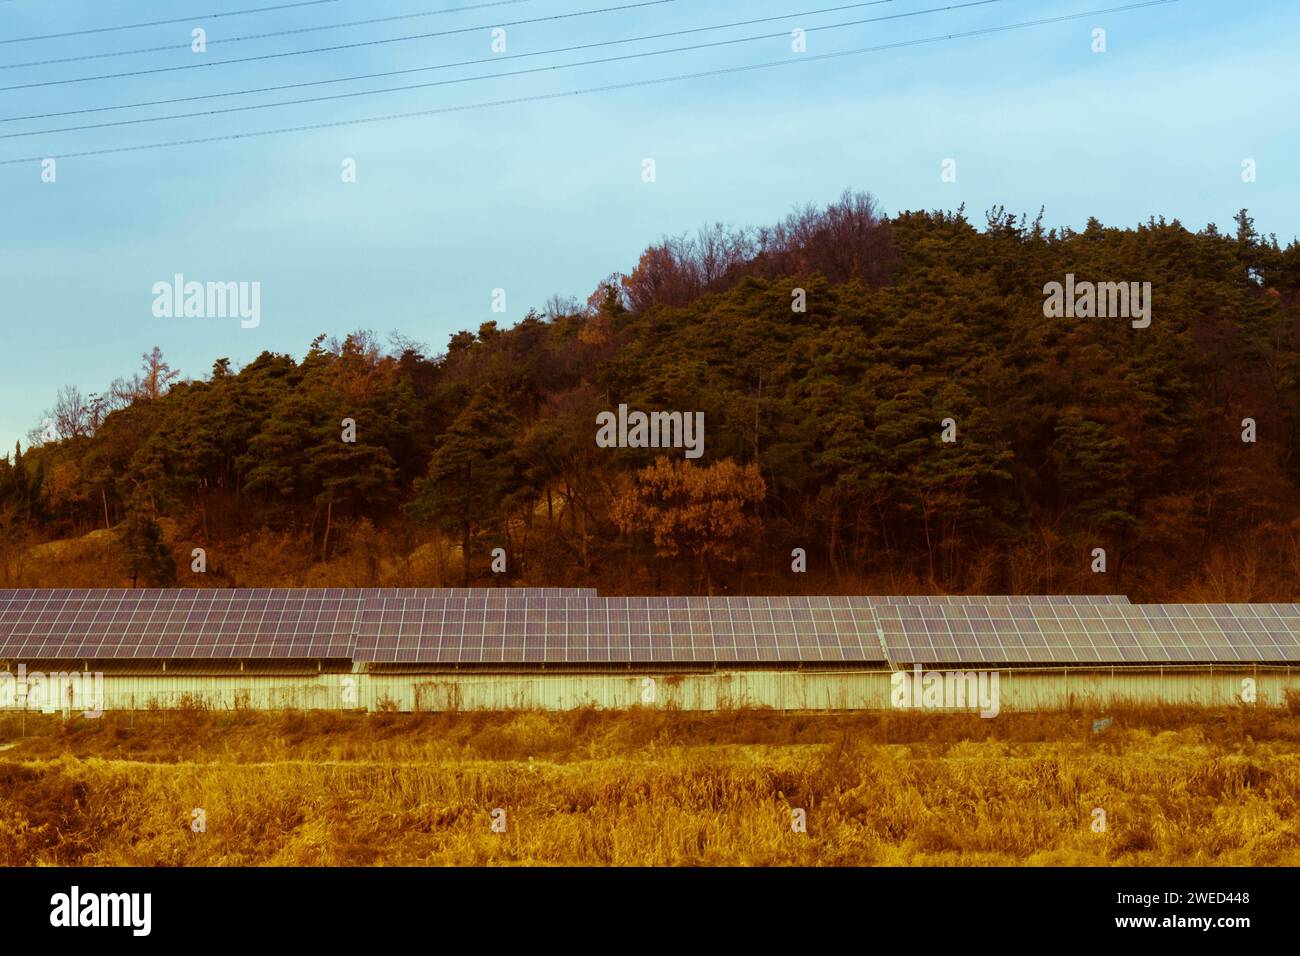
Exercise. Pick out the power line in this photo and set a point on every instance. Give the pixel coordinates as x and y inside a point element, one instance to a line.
<point>159,23</point>
<point>251,36</point>
<point>324,49</point>
<point>722,71</point>
<point>446,66</point>
<point>494,76</point>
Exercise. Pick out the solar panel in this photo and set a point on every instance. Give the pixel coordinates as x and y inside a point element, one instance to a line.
<point>193,623</point>
<point>986,599</point>
<point>584,629</point>
<point>1090,634</point>
<point>577,626</point>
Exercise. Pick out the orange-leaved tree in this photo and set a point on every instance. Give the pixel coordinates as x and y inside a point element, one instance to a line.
<point>709,513</point>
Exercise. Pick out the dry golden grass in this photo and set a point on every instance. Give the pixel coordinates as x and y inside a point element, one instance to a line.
<point>651,788</point>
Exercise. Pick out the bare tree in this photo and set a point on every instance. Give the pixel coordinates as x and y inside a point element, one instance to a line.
<point>720,249</point>
<point>158,375</point>
<point>849,239</point>
<point>71,414</point>
<point>123,392</point>
<point>400,344</point>
<point>560,305</point>
<point>362,343</point>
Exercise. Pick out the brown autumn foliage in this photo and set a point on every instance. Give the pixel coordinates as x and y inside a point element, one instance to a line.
<point>709,514</point>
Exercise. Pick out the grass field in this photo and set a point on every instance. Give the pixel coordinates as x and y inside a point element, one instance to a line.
<point>651,788</point>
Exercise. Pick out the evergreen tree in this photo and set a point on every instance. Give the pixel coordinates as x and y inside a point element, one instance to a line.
<point>145,555</point>
<point>474,474</point>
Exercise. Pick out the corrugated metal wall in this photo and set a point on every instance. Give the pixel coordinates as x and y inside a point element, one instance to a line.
<point>1045,689</point>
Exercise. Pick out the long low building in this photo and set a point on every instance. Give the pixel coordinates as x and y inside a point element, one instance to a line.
<point>79,650</point>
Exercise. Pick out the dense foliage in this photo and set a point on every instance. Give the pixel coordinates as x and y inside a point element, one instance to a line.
<point>823,430</point>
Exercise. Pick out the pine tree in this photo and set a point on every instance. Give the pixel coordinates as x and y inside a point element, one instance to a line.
<point>474,474</point>
<point>145,555</point>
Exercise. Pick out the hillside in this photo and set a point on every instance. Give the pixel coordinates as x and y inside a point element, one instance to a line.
<point>823,430</point>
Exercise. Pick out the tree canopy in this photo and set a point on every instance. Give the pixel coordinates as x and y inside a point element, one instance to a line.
<point>883,392</point>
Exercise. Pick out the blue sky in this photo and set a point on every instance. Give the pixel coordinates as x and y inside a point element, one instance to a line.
<point>547,196</point>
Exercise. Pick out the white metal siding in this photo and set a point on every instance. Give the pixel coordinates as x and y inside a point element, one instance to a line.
<point>721,690</point>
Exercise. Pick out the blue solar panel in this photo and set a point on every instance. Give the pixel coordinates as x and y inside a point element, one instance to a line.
<point>579,630</point>
<point>430,626</point>
<point>1091,634</point>
<point>192,623</point>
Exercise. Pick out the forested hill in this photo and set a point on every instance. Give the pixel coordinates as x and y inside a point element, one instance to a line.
<point>830,355</point>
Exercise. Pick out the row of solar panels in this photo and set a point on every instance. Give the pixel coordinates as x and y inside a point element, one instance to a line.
<point>1138,633</point>
<point>575,626</point>
<point>259,594</point>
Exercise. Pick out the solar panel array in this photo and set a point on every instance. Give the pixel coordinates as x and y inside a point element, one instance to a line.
<point>1061,633</point>
<point>192,623</point>
<point>576,626</point>
<point>987,599</point>
<point>506,628</point>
